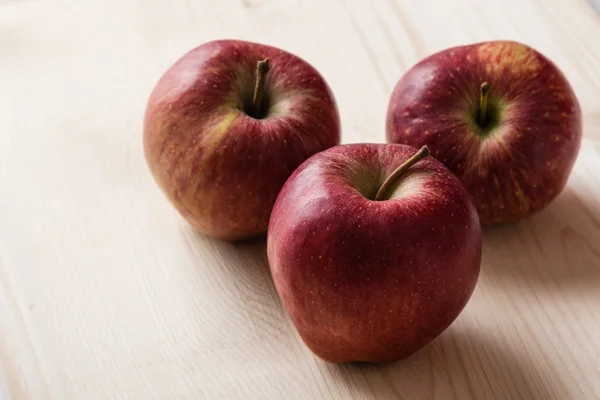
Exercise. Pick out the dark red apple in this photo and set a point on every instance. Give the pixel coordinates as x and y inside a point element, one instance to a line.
<point>227,124</point>
<point>372,260</point>
<point>499,115</point>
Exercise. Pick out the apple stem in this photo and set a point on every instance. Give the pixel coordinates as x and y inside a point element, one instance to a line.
<point>419,155</point>
<point>483,102</point>
<point>262,68</point>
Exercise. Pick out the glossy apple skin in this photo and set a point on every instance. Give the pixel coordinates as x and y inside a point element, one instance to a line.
<point>365,280</point>
<point>221,168</point>
<point>522,166</point>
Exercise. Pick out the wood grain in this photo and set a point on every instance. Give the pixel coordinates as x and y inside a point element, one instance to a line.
<point>105,293</point>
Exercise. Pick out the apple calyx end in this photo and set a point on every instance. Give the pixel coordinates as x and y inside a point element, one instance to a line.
<point>402,168</point>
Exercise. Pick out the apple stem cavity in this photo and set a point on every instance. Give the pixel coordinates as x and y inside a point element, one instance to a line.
<point>262,68</point>
<point>483,103</point>
<point>418,156</point>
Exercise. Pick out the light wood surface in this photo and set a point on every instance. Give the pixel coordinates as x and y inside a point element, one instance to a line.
<point>105,293</point>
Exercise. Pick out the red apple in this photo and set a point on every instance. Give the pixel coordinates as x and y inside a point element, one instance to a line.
<point>227,124</point>
<point>499,115</point>
<point>372,269</point>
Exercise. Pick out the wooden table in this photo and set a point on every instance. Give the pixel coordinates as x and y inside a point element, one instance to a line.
<point>105,293</point>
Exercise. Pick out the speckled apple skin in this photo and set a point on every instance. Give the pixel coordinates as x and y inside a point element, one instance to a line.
<point>523,165</point>
<point>368,280</point>
<point>219,167</point>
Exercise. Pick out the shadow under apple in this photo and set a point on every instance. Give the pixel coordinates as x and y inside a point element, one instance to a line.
<point>559,246</point>
<point>457,365</point>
